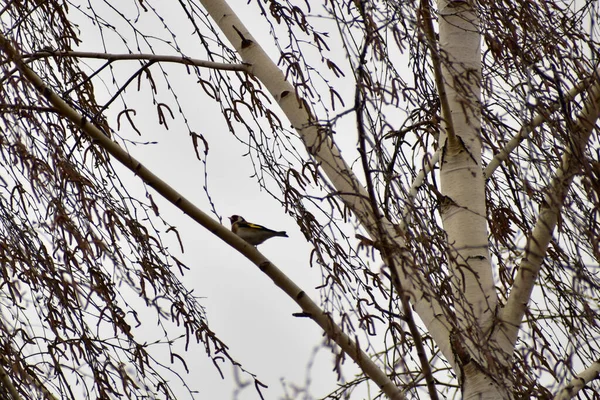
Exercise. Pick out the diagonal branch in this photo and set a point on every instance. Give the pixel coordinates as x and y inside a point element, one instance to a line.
<point>537,243</point>
<point>430,163</point>
<point>309,307</point>
<point>8,385</point>
<point>386,249</point>
<point>583,378</point>
<point>536,121</point>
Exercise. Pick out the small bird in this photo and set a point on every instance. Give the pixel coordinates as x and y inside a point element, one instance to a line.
<point>252,233</point>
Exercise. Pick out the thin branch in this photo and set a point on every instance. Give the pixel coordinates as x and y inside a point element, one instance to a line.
<point>309,307</point>
<point>34,380</point>
<point>8,385</point>
<point>15,108</point>
<point>579,382</point>
<point>31,379</point>
<point>427,20</point>
<point>430,163</point>
<point>537,120</point>
<point>150,57</point>
<point>137,73</point>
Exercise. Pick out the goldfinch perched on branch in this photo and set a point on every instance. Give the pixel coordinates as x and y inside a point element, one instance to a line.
<point>252,233</point>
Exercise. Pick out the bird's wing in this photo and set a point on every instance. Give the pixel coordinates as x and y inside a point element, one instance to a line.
<point>255,226</point>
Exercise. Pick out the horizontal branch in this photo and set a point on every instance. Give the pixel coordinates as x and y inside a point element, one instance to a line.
<point>579,382</point>
<point>309,307</point>
<point>15,108</point>
<point>148,57</point>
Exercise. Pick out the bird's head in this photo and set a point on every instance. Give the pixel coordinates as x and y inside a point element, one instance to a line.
<point>236,218</point>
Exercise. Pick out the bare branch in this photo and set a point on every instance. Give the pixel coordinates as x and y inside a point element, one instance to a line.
<point>430,163</point>
<point>386,249</point>
<point>502,83</point>
<point>576,384</point>
<point>150,57</point>
<point>319,143</point>
<point>33,380</point>
<point>7,383</point>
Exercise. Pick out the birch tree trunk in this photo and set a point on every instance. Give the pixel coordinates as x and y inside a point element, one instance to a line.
<point>463,205</point>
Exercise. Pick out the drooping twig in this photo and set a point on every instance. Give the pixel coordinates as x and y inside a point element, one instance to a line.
<point>385,247</point>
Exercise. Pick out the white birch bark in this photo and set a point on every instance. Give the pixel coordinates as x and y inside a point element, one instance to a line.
<point>583,378</point>
<point>463,207</point>
<point>539,118</point>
